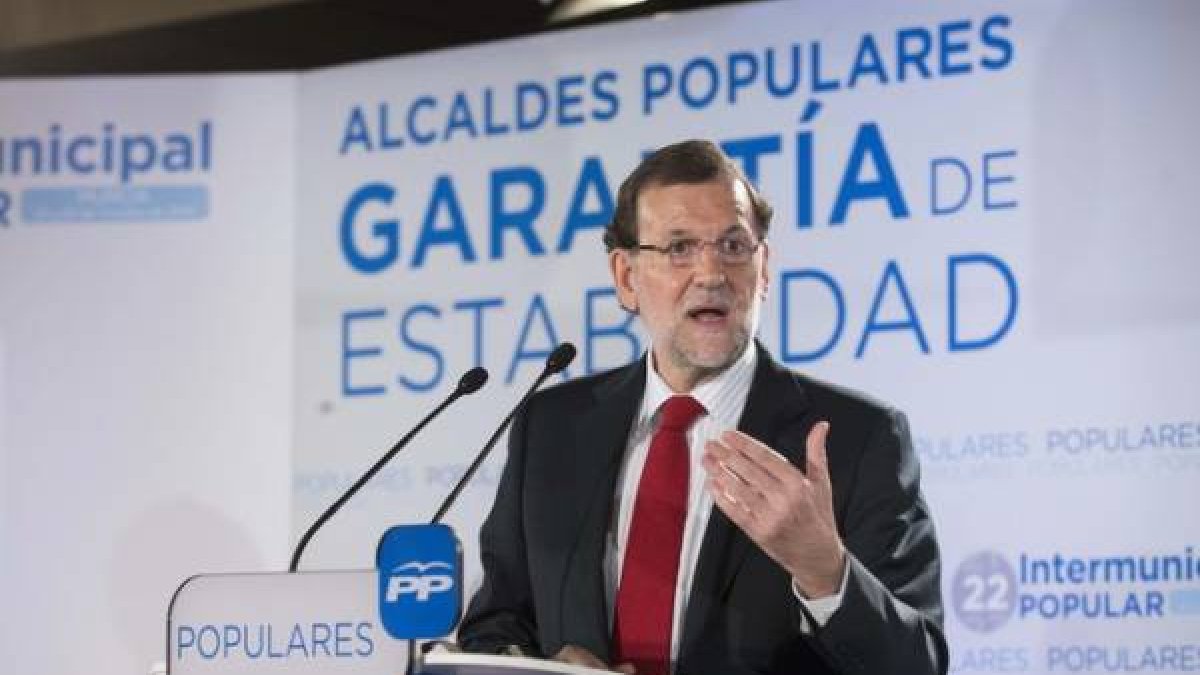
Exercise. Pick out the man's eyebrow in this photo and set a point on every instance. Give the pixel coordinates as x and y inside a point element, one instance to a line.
<point>681,232</point>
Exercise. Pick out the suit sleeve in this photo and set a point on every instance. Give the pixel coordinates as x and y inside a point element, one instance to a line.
<point>890,620</point>
<point>501,613</point>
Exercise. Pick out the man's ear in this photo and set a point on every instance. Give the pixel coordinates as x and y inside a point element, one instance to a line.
<point>766,277</point>
<point>620,263</point>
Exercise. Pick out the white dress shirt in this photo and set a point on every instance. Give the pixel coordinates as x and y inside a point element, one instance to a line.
<point>724,399</point>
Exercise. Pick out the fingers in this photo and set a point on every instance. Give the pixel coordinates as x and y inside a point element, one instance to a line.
<point>750,459</point>
<point>738,511</point>
<point>744,478</point>
<point>746,474</point>
<point>578,656</point>
<point>750,475</point>
<point>736,483</point>
<point>728,457</point>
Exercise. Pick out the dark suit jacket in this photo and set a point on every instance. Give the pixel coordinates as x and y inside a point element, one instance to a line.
<point>543,544</point>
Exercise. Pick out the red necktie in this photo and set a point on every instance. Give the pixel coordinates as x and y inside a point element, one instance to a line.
<point>646,594</point>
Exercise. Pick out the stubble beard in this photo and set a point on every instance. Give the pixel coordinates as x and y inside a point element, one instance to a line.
<point>699,366</point>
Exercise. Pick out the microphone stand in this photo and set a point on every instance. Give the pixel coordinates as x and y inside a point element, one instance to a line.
<point>469,383</point>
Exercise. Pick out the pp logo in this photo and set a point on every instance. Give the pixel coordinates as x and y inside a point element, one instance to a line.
<point>420,581</point>
<point>984,591</point>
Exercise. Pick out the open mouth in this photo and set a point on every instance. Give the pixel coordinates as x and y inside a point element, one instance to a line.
<point>708,314</point>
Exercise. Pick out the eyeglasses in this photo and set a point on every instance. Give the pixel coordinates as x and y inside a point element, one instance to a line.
<point>735,248</point>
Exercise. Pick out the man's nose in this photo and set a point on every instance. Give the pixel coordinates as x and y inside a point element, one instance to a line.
<point>709,270</point>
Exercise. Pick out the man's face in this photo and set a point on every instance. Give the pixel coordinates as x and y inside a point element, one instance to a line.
<point>701,317</point>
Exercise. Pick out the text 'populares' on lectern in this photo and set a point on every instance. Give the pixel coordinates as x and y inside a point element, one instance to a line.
<point>280,623</point>
<point>307,623</point>
<point>338,622</point>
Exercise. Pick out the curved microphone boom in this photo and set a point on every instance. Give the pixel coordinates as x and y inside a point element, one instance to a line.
<point>469,383</point>
<point>558,360</point>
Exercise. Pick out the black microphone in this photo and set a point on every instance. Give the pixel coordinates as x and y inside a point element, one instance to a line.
<point>469,383</point>
<point>558,360</point>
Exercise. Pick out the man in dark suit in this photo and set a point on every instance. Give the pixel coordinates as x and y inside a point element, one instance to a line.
<point>704,510</point>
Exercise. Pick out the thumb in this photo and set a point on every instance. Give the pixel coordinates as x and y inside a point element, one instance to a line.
<point>816,460</point>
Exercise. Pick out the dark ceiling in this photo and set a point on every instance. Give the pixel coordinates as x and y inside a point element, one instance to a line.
<point>311,34</point>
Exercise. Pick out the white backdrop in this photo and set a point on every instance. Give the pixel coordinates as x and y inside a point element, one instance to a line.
<point>146,363</point>
<point>995,238</point>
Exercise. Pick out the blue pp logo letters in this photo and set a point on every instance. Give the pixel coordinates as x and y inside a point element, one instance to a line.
<point>420,581</point>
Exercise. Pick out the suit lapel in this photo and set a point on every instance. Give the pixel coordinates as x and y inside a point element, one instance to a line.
<point>774,407</point>
<point>583,607</point>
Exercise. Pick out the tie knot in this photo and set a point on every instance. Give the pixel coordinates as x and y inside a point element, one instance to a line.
<point>678,413</point>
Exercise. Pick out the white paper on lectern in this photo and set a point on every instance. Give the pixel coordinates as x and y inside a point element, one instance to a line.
<point>446,663</point>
